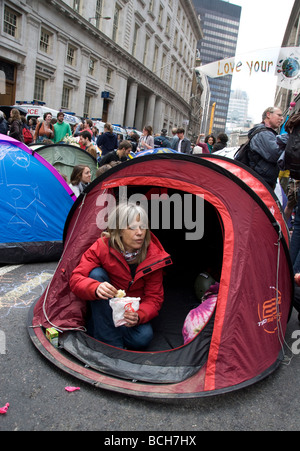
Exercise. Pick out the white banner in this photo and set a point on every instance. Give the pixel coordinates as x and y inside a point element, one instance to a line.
<point>281,62</point>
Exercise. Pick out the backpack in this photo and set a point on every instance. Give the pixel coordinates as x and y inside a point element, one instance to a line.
<point>292,153</point>
<point>27,136</point>
<point>158,142</point>
<point>242,154</point>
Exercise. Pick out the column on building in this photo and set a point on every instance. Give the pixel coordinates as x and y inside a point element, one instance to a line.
<point>62,41</point>
<point>117,107</point>
<point>28,74</point>
<point>140,110</point>
<point>83,63</point>
<point>131,105</point>
<point>158,116</point>
<point>150,110</point>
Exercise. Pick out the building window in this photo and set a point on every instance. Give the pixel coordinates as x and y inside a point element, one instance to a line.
<point>176,39</point>
<point>155,58</point>
<point>116,23</point>
<point>160,15</point>
<point>168,26</point>
<point>98,12</point>
<point>10,22</point>
<point>76,5</point>
<point>65,101</point>
<point>45,41</point>
<point>71,55</point>
<point>108,76</point>
<point>39,89</point>
<point>87,104</point>
<point>163,66</point>
<point>135,39</point>
<point>146,52</point>
<point>92,64</point>
<point>151,6</point>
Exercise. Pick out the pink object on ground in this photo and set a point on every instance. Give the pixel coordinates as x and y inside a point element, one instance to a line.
<point>4,409</point>
<point>72,389</point>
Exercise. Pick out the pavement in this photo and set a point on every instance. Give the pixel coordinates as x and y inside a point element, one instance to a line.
<point>35,389</point>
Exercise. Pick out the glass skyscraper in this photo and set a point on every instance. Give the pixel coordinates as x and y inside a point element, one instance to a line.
<point>220,23</point>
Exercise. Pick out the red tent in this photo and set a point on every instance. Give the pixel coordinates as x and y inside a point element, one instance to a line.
<point>244,247</point>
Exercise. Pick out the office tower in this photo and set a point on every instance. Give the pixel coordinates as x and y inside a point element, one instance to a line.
<point>238,109</point>
<point>220,23</point>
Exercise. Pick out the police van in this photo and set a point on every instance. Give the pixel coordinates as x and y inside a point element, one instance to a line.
<point>37,110</point>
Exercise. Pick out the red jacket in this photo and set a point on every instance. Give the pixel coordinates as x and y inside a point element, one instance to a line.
<point>147,283</point>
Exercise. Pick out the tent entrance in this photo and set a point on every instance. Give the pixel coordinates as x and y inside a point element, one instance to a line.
<point>167,359</point>
<point>190,258</point>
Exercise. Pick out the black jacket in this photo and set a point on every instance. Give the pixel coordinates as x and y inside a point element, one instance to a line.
<point>107,142</point>
<point>3,126</point>
<point>265,153</point>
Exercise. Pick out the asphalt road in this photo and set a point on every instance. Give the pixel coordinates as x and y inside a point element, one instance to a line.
<point>35,389</point>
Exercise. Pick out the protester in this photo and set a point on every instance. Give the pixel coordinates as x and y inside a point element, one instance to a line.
<point>108,141</point>
<point>27,135</point>
<point>78,129</point>
<point>85,141</point>
<point>134,139</point>
<point>80,179</point>
<point>61,129</point>
<point>210,140</point>
<point>265,150</point>
<point>88,125</point>
<point>44,130</point>
<point>3,124</point>
<point>162,140</point>
<point>203,146</point>
<point>119,155</point>
<point>32,122</point>
<point>15,125</point>
<point>95,134</point>
<point>146,140</point>
<point>222,140</point>
<point>127,257</point>
<point>183,144</point>
<point>174,139</point>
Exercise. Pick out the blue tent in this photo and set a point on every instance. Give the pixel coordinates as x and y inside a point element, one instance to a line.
<point>34,204</point>
<point>158,150</point>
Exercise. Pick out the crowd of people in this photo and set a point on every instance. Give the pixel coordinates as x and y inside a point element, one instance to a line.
<point>267,145</point>
<point>266,148</point>
<point>49,129</point>
<point>267,142</point>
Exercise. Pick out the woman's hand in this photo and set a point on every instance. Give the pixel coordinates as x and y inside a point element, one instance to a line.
<point>106,291</point>
<point>132,319</point>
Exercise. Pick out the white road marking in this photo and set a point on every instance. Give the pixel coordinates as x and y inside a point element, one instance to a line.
<point>7,269</point>
<point>12,296</point>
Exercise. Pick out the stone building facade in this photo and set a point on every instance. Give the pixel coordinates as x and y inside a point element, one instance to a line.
<point>129,62</point>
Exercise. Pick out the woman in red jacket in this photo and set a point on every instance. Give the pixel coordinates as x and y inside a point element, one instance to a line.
<point>128,257</point>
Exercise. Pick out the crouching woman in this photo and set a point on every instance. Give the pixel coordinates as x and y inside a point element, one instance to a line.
<point>127,257</point>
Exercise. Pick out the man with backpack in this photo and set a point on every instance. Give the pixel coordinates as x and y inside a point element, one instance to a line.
<point>263,150</point>
<point>162,140</point>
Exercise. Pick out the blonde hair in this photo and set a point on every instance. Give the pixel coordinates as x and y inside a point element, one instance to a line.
<point>15,115</point>
<point>121,218</point>
<point>109,127</point>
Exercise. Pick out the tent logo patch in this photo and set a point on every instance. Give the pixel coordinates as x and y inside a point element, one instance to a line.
<point>269,313</point>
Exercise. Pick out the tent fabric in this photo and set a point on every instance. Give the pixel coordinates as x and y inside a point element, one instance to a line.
<point>64,157</point>
<point>255,287</point>
<point>159,367</point>
<point>34,204</point>
<point>258,185</point>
